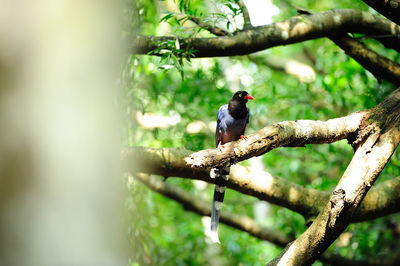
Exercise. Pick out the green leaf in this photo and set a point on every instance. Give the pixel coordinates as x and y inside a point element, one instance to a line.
<point>167,17</point>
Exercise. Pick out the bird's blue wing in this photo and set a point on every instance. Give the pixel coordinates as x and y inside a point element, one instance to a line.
<point>221,126</point>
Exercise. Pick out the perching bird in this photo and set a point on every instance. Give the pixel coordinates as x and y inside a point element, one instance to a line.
<point>232,120</point>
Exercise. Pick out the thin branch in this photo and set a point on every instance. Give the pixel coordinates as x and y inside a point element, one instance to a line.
<point>388,41</point>
<point>246,16</point>
<point>388,8</point>
<point>380,66</point>
<point>286,65</point>
<point>212,29</point>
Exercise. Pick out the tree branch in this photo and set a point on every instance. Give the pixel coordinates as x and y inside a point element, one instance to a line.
<point>388,8</point>
<point>283,134</point>
<point>382,138</point>
<point>241,222</point>
<point>246,16</point>
<point>170,162</point>
<point>212,29</point>
<point>285,65</point>
<point>381,200</point>
<point>388,41</point>
<point>293,30</point>
<point>374,154</point>
<point>292,134</point>
<point>380,66</point>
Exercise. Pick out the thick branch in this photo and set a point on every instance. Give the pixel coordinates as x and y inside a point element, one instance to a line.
<point>382,138</point>
<point>294,30</point>
<point>283,134</point>
<point>388,8</point>
<point>373,155</point>
<point>382,199</point>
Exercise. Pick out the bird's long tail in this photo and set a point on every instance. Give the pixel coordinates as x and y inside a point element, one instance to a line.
<point>221,176</point>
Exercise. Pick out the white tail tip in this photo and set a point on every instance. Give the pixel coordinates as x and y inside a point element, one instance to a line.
<point>215,238</point>
<point>211,236</point>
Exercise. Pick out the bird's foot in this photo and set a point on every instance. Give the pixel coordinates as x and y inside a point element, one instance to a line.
<point>244,137</point>
<point>220,147</point>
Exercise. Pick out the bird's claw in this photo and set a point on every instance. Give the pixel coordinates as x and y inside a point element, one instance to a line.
<point>244,137</point>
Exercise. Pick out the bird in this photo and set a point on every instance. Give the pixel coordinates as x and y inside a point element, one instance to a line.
<point>232,119</point>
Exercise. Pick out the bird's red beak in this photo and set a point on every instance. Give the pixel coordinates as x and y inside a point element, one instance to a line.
<point>248,97</point>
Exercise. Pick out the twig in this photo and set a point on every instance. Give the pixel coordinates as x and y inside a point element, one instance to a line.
<point>246,15</point>
<point>212,29</point>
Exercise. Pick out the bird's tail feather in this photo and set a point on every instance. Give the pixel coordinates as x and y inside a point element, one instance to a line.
<point>221,176</point>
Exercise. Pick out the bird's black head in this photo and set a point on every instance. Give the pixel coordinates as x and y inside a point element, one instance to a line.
<point>242,96</point>
<point>237,105</point>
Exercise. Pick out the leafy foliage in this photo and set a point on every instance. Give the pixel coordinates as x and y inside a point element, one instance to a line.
<point>192,92</point>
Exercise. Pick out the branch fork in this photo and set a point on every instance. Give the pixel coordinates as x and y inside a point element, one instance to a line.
<point>377,140</point>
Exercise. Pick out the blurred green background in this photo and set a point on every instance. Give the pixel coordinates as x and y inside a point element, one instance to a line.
<point>173,103</point>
